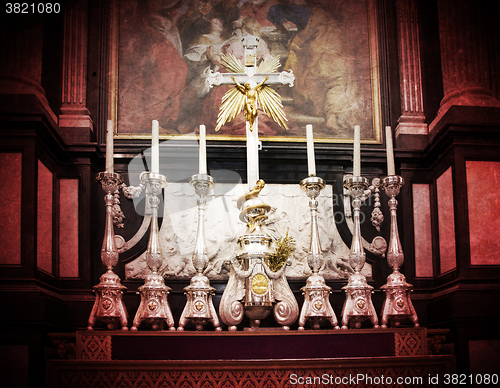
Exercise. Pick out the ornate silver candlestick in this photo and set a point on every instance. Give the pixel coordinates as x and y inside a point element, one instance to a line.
<point>358,306</point>
<point>199,308</point>
<point>154,307</point>
<point>316,293</point>
<point>253,287</point>
<point>108,306</point>
<point>397,305</point>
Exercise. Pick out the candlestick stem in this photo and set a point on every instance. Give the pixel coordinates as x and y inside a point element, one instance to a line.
<point>397,305</point>
<point>108,306</point>
<point>317,307</point>
<point>199,307</point>
<point>154,307</point>
<point>358,306</point>
<point>202,184</point>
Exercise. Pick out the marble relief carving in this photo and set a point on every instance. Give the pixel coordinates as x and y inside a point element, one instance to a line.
<point>288,211</point>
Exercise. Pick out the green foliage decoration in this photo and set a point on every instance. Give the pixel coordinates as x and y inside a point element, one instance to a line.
<point>285,247</point>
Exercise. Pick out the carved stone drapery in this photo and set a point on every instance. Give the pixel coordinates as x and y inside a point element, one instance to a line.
<point>289,211</point>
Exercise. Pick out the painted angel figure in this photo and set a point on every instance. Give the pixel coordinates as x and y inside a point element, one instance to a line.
<point>249,99</point>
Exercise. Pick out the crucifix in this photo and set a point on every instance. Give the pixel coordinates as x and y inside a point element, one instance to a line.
<point>250,93</point>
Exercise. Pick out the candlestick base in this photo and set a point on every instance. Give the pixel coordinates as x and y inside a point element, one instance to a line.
<point>358,306</point>
<point>108,305</point>
<point>154,307</point>
<point>397,305</point>
<point>317,307</point>
<point>199,308</point>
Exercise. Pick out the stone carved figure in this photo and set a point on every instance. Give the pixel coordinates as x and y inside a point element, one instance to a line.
<point>178,232</point>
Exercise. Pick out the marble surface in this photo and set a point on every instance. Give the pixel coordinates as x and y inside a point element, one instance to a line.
<point>483,180</point>
<point>68,228</point>
<point>446,222</point>
<point>44,218</point>
<point>422,229</point>
<point>11,177</point>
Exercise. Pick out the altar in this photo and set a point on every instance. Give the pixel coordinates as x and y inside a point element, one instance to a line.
<point>269,358</point>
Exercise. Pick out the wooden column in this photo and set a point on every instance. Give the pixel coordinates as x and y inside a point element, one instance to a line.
<point>74,120</point>
<point>21,50</point>
<point>464,55</point>
<point>412,119</point>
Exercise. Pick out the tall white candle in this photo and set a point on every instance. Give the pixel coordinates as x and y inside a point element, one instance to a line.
<point>155,148</point>
<point>202,151</point>
<point>311,163</point>
<point>390,151</point>
<point>357,151</point>
<point>109,147</point>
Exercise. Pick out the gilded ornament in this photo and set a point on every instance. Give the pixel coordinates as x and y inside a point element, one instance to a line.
<point>318,305</point>
<point>152,305</point>
<point>106,304</point>
<point>259,284</point>
<point>361,304</point>
<point>198,305</point>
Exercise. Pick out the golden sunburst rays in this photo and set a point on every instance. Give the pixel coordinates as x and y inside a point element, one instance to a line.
<point>231,104</point>
<point>248,98</point>
<point>232,64</point>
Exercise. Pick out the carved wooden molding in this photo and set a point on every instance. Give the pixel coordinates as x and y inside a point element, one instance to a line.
<point>272,374</point>
<point>93,347</point>
<point>412,107</point>
<point>410,343</point>
<point>74,112</point>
